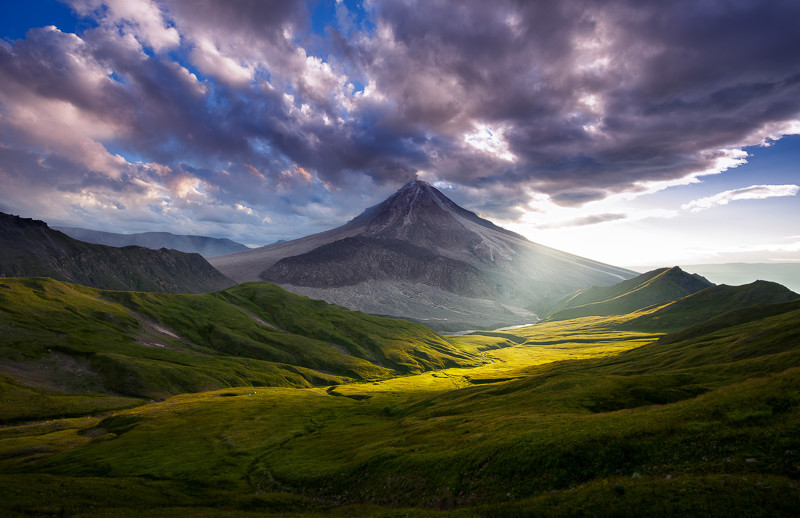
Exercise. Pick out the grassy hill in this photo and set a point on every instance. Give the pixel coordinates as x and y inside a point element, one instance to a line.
<point>736,274</point>
<point>29,248</point>
<point>653,288</point>
<point>699,423</point>
<point>70,350</point>
<point>712,302</point>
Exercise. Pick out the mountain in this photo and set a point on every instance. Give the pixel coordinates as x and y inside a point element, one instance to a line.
<point>30,248</point>
<point>714,302</point>
<point>656,287</point>
<point>205,246</point>
<point>420,256</point>
<point>735,274</point>
<point>68,349</point>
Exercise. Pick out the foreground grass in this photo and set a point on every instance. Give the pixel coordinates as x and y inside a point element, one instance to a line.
<point>703,422</point>
<point>304,450</point>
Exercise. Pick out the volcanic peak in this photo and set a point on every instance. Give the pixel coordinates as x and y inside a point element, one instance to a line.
<point>420,213</point>
<point>419,255</point>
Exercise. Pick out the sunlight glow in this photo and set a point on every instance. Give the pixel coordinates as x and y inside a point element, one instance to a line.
<point>491,141</point>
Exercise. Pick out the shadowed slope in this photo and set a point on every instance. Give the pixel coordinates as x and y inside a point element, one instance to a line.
<point>30,248</point>
<point>713,302</point>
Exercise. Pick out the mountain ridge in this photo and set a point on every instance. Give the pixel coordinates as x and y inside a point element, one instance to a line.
<point>711,303</point>
<point>659,286</point>
<point>203,245</point>
<point>31,248</point>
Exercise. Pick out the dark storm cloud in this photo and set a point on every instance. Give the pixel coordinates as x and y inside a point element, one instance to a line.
<point>240,105</point>
<point>595,95</point>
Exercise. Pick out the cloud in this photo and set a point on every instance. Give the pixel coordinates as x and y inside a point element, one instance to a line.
<point>754,192</point>
<point>597,96</point>
<point>505,101</point>
<point>142,18</point>
<point>211,62</point>
<point>779,251</point>
<point>593,219</point>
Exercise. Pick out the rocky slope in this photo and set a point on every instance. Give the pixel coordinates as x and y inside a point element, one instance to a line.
<point>418,255</point>
<point>30,248</point>
<point>205,246</point>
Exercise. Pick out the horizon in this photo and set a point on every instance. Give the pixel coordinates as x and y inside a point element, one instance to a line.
<point>669,140</point>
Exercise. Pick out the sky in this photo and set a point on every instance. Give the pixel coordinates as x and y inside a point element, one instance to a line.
<point>630,132</point>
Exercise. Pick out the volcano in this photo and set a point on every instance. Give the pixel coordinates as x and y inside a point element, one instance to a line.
<point>420,256</point>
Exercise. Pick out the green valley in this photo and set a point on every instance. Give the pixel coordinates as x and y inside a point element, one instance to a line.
<point>262,402</point>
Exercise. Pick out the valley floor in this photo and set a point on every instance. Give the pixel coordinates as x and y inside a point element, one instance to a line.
<point>566,418</point>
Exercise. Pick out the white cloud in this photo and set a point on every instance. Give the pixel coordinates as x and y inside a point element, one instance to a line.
<point>244,208</point>
<point>60,127</point>
<point>724,159</point>
<point>210,60</point>
<point>754,192</point>
<point>142,17</point>
<point>491,141</point>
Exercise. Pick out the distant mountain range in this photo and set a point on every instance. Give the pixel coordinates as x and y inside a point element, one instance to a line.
<point>736,274</point>
<point>29,248</point>
<point>205,246</point>
<point>418,255</point>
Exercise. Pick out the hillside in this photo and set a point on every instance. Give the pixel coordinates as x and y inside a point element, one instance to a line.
<point>652,288</point>
<point>205,246</point>
<point>68,349</point>
<point>694,425</point>
<point>420,256</point>
<point>712,302</point>
<point>30,248</point>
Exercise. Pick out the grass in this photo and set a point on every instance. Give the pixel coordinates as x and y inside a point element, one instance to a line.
<point>80,350</point>
<point>21,403</point>
<point>575,417</point>
<point>434,452</point>
<point>710,303</point>
<point>653,288</point>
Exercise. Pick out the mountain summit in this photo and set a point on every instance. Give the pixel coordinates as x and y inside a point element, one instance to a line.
<point>421,214</point>
<point>418,255</point>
